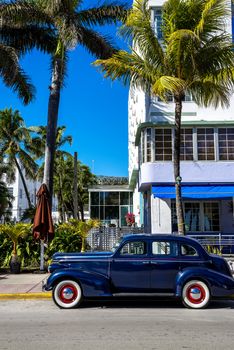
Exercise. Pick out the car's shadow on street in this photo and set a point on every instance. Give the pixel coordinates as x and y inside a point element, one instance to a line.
<point>150,303</point>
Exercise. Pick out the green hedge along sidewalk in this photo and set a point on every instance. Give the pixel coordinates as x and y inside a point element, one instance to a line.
<point>23,286</point>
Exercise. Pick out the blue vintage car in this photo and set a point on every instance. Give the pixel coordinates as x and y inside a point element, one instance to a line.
<point>141,265</point>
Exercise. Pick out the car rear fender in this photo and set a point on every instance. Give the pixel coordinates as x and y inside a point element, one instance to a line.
<point>92,284</point>
<point>218,284</point>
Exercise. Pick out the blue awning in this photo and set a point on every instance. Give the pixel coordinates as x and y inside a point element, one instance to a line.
<point>194,191</point>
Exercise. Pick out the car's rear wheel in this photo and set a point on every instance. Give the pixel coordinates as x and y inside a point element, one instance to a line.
<point>67,294</point>
<point>195,294</point>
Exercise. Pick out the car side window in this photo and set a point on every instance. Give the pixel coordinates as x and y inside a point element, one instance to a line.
<point>188,250</point>
<point>134,248</point>
<point>164,248</point>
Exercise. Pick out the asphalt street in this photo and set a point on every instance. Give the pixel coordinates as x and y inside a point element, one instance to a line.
<point>39,324</point>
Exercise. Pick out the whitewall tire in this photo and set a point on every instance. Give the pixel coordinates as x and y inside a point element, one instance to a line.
<point>67,294</point>
<point>195,294</point>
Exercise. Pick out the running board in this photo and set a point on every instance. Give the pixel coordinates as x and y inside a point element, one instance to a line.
<point>143,294</point>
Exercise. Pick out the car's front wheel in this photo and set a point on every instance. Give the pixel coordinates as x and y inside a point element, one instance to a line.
<point>67,294</point>
<point>195,294</point>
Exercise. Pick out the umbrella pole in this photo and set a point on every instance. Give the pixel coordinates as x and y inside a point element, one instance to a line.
<point>42,256</point>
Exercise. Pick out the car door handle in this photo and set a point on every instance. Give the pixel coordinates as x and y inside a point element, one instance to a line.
<point>145,262</point>
<point>155,262</point>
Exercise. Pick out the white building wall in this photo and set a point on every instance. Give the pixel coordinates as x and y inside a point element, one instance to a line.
<point>20,202</point>
<point>160,215</point>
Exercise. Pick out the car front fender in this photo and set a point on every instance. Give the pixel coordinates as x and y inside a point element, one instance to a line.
<point>92,284</point>
<point>220,285</point>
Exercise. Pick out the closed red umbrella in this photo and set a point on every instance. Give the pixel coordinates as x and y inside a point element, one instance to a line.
<point>43,227</point>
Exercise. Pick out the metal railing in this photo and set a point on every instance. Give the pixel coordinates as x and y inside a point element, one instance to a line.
<point>222,244</point>
<point>104,238</point>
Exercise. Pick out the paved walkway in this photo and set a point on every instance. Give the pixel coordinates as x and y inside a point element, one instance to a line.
<point>23,285</point>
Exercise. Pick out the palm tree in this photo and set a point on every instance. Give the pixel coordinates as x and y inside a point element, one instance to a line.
<point>38,142</point>
<point>5,200</point>
<point>14,135</point>
<point>194,56</point>
<point>63,185</point>
<point>73,25</point>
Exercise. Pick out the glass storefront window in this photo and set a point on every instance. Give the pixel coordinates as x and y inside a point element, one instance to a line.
<point>94,212</point>
<point>211,216</point>
<point>124,198</point>
<point>111,198</point>
<point>199,217</point>
<point>192,215</point>
<point>94,198</point>
<point>111,212</point>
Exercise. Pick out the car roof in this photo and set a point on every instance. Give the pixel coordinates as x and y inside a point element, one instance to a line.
<point>136,236</point>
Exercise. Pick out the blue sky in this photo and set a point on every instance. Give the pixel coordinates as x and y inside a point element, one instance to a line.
<point>93,109</point>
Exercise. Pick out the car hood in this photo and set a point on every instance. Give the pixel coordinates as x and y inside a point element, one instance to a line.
<point>80,256</point>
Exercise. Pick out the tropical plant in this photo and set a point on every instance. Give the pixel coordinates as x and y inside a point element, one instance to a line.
<point>72,25</point>
<point>66,239</point>
<point>83,228</point>
<point>195,55</point>
<point>14,135</point>
<point>14,232</point>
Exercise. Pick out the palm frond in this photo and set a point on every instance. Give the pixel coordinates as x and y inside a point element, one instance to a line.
<point>208,93</point>
<point>212,18</point>
<point>107,13</point>
<point>97,44</point>
<point>168,84</point>
<point>28,163</point>
<point>26,37</point>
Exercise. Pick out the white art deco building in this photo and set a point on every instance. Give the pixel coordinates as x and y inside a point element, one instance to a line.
<point>207,160</point>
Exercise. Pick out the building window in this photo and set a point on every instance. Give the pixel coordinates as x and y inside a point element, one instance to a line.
<point>199,216</point>
<point>205,144</point>
<point>148,144</point>
<point>163,144</point>
<point>158,23</point>
<point>226,143</point>
<point>111,198</point>
<point>192,215</point>
<point>21,193</point>
<point>142,147</point>
<point>124,198</point>
<point>94,198</point>
<point>186,144</point>
<point>211,216</point>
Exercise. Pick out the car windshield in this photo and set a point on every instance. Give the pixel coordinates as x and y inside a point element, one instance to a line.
<point>116,245</point>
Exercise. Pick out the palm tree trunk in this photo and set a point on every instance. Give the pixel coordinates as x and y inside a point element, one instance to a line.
<point>52,120</point>
<point>24,182</point>
<point>178,179</point>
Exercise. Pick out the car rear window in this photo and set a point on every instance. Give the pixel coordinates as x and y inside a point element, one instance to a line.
<point>188,250</point>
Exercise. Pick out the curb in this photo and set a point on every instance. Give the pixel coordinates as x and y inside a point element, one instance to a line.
<point>7,296</point>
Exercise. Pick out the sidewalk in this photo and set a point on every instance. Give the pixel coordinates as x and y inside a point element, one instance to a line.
<point>23,286</point>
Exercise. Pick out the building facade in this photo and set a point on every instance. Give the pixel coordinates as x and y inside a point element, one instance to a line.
<point>20,203</point>
<point>207,160</point>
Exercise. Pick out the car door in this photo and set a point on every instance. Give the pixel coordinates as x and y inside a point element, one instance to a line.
<point>164,265</point>
<point>130,268</point>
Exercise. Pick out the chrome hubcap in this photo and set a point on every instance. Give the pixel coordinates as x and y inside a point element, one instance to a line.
<point>67,293</point>
<point>195,293</point>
